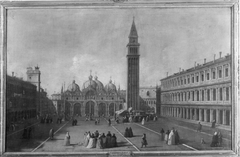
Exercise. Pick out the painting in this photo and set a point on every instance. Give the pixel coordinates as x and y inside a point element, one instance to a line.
<point>119,78</point>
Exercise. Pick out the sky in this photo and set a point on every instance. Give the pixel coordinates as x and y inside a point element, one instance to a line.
<point>69,43</point>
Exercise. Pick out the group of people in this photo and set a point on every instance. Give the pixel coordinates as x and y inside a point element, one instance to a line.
<point>128,132</point>
<point>74,122</point>
<point>170,137</point>
<point>27,132</point>
<point>98,140</point>
<point>97,121</point>
<point>216,139</point>
<point>46,119</point>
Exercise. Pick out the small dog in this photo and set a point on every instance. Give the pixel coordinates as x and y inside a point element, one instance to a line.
<point>202,141</point>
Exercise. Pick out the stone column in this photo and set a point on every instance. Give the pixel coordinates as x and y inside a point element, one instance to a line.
<point>191,113</point>
<point>96,110</point>
<point>217,116</point>
<point>224,120</point>
<point>230,117</point>
<point>183,111</point>
<point>200,114</point>
<point>211,115</point>
<point>187,113</point>
<point>177,112</point>
<point>83,109</point>
<point>205,115</point>
<point>195,114</point>
<point>107,110</point>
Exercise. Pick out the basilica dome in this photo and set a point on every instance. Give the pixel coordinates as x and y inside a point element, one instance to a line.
<point>73,87</point>
<point>110,87</point>
<point>90,83</point>
<point>99,84</point>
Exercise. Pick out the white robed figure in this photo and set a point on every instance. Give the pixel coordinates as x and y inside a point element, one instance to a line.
<point>130,119</point>
<point>143,121</point>
<point>92,142</point>
<point>171,138</point>
<point>67,139</point>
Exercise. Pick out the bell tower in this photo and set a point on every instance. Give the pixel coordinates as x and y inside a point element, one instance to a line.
<point>133,69</point>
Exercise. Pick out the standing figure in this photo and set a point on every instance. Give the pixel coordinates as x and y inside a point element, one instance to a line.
<point>99,142</point>
<point>104,141</point>
<point>144,140</point>
<point>199,128</point>
<point>109,144</point>
<point>92,142</point>
<point>171,138</point>
<point>130,132</point>
<point>126,133</point>
<point>114,140</point>
<point>162,135</point>
<point>67,139</point>
<point>213,123</point>
<point>51,134</point>
<point>86,141</point>
<point>166,136</point>
<point>214,140</point>
<point>109,122</point>
<point>177,138</point>
<point>143,121</point>
<point>219,139</point>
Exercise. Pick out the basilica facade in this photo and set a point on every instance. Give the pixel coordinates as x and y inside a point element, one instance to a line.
<point>93,99</point>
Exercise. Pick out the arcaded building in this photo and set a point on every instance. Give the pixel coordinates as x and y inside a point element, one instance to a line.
<point>201,93</point>
<point>92,99</point>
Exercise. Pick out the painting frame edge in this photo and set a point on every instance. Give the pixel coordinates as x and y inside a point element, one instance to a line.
<point>232,4</point>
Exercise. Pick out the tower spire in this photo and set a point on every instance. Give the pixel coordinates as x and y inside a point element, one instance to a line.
<point>133,31</point>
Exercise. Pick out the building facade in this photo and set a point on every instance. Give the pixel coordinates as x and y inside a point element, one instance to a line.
<point>21,100</point>
<point>94,99</point>
<point>202,93</point>
<point>148,95</point>
<point>133,69</point>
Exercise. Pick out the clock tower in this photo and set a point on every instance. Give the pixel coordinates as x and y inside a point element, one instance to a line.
<point>133,69</point>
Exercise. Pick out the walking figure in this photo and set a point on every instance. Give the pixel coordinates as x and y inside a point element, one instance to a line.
<point>144,140</point>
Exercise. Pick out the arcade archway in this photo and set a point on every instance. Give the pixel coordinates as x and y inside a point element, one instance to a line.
<point>89,109</point>
<point>101,109</point>
<point>111,109</point>
<point>77,109</point>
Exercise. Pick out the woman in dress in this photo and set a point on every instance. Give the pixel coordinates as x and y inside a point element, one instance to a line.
<point>92,142</point>
<point>86,140</point>
<point>51,133</point>
<point>171,138</point>
<point>99,142</point>
<point>67,139</point>
<point>109,144</point>
<point>143,121</point>
<point>126,133</point>
<point>144,140</point>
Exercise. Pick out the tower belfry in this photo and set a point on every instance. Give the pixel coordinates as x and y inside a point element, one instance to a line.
<point>133,69</point>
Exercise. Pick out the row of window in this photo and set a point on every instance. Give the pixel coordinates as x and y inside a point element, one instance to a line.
<point>212,94</point>
<point>204,75</point>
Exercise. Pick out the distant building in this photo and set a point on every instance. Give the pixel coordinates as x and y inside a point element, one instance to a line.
<point>201,93</point>
<point>21,99</point>
<point>158,100</point>
<point>148,95</point>
<point>93,99</point>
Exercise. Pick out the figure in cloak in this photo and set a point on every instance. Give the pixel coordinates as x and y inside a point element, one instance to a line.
<point>177,138</point>
<point>199,128</point>
<point>104,141</point>
<point>144,140</point>
<point>162,135</point>
<point>130,132</point>
<point>67,139</point>
<point>214,140</point>
<point>126,133</point>
<point>51,134</point>
<point>219,139</point>
<point>109,144</point>
<point>114,141</point>
<point>171,138</point>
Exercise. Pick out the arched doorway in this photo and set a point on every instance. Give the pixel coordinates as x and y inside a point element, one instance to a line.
<point>111,109</point>
<point>67,108</point>
<point>77,109</point>
<point>89,109</point>
<point>101,109</point>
